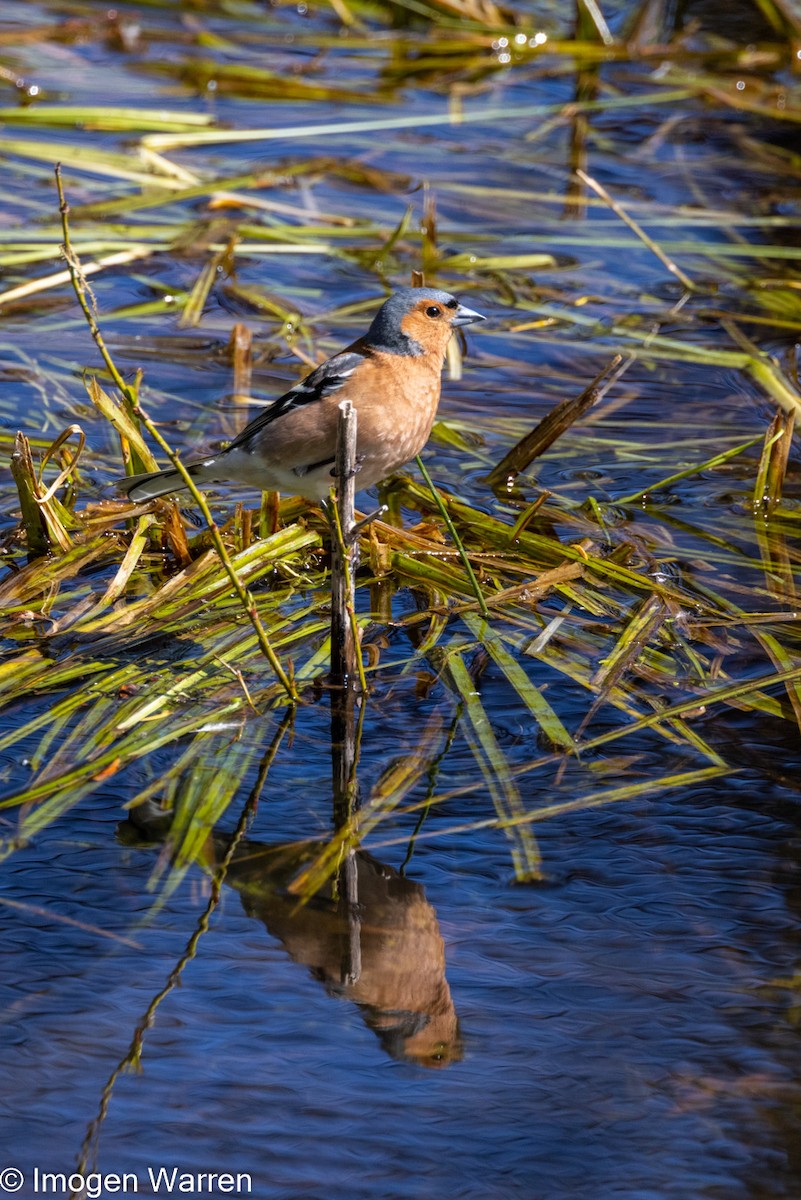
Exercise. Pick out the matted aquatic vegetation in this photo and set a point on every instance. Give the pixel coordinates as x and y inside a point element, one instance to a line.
<point>615,452</point>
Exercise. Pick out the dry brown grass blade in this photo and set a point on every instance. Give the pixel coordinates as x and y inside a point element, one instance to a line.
<point>624,654</point>
<point>485,12</point>
<point>783,661</point>
<point>56,278</point>
<point>37,535</point>
<point>134,447</point>
<point>240,348</point>
<point>44,577</point>
<point>219,264</point>
<point>783,13</point>
<point>51,526</point>
<point>554,425</point>
<point>773,463</point>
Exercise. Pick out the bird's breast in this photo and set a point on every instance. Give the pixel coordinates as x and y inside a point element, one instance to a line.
<point>394,418</point>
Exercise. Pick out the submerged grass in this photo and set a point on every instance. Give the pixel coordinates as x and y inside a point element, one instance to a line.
<point>584,613</point>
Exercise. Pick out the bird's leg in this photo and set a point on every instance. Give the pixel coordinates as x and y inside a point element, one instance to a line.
<point>357,466</point>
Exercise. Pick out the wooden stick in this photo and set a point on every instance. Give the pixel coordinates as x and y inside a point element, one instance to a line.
<point>345,652</point>
<point>346,668</point>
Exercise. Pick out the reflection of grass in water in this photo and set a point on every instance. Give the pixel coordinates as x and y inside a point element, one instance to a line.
<point>126,639</point>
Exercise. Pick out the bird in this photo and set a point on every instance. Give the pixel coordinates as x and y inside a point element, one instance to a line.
<point>392,376</point>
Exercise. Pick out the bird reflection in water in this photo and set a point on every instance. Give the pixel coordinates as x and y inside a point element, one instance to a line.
<point>399,979</point>
<point>400,983</point>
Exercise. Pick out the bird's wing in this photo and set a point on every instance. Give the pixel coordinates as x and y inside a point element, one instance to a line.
<point>327,378</point>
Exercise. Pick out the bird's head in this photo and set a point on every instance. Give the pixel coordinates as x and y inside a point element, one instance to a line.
<point>415,321</point>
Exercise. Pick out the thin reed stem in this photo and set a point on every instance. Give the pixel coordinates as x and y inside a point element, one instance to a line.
<point>479,595</point>
<point>130,398</point>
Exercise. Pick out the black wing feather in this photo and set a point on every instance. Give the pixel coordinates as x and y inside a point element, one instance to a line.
<point>325,379</point>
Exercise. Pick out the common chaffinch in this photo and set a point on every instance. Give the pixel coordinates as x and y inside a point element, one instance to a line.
<point>392,376</point>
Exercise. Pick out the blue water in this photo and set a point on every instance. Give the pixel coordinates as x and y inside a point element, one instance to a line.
<point>617,1031</point>
<point>625,1030</point>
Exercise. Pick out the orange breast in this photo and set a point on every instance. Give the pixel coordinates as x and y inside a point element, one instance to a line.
<point>396,405</point>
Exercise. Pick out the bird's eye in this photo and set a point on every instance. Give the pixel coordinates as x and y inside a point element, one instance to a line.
<point>434,311</point>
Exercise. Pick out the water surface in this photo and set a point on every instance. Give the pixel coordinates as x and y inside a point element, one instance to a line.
<point>625,1029</point>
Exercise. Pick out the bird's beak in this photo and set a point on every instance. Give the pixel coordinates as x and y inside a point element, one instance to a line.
<point>466,316</point>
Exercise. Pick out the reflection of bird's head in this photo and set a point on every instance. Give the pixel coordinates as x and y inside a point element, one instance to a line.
<point>429,1041</point>
<point>416,321</point>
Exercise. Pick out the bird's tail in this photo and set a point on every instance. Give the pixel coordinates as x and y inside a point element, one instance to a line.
<point>160,483</point>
